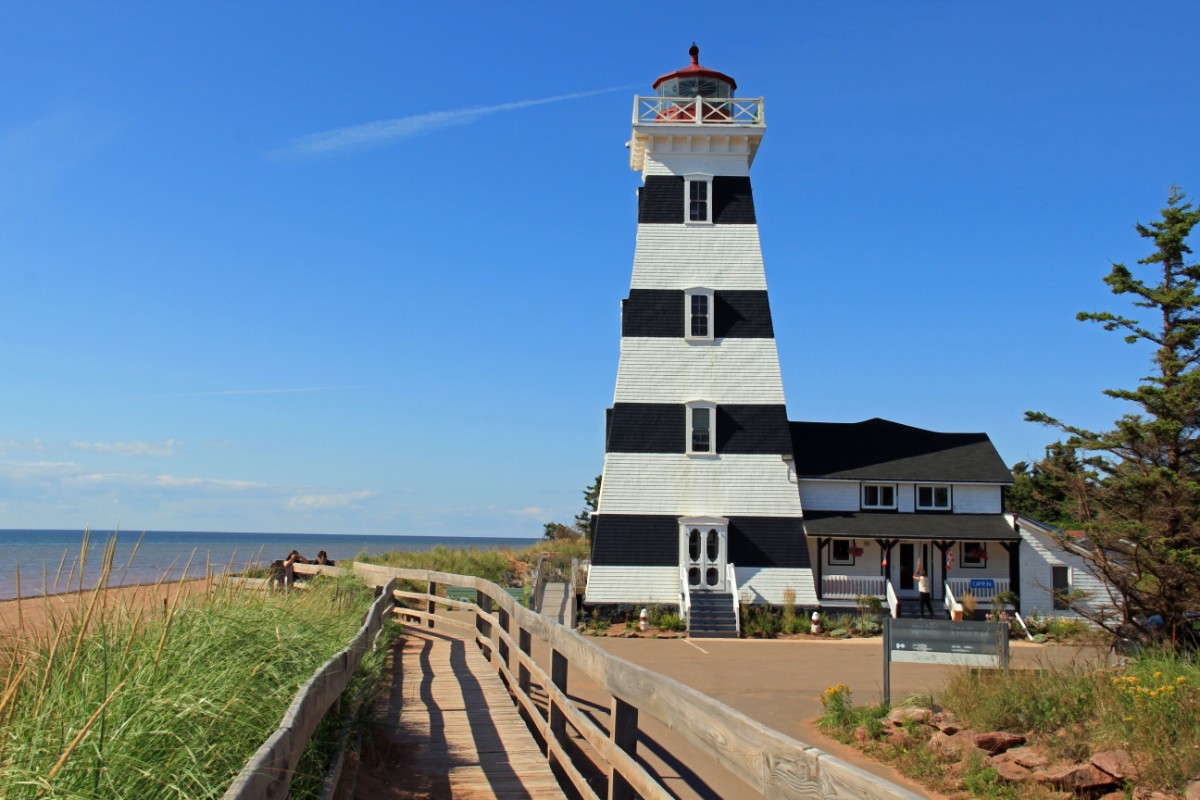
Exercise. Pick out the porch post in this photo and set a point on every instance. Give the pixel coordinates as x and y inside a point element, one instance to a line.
<point>942,548</point>
<point>821,545</point>
<point>1014,569</point>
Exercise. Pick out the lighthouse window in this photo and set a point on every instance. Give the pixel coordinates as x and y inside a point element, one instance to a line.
<point>701,421</point>
<point>698,314</point>
<point>698,198</point>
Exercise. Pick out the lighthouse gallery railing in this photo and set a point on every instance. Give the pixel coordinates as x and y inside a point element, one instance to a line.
<point>698,111</point>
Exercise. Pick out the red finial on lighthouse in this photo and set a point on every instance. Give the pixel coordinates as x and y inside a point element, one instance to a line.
<point>694,70</point>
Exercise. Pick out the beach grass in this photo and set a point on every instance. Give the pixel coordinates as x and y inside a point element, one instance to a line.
<point>502,566</point>
<point>164,701</point>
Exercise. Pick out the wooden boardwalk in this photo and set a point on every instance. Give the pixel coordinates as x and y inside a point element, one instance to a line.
<point>453,729</point>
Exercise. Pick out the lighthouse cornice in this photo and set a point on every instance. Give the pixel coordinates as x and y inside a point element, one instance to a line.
<point>695,126</point>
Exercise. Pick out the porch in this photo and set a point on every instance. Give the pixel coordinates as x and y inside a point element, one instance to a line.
<point>880,555</point>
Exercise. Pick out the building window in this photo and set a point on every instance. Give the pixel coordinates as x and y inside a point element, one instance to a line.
<point>879,495</point>
<point>702,429</point>
<point>933,498</point>
<point>974,555</point>
<point>698,314</point>
<point>1060,578</point>
<point>840,552</point>
<point>698,196</point>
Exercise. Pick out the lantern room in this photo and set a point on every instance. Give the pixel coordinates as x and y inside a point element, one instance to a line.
<point>695,81</point>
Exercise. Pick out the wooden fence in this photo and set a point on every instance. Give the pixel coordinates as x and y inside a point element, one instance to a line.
<point>766,761</point>
<point>268,774</point>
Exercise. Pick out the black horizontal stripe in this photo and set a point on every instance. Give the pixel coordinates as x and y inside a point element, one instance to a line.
<point>652,540</point>
<point>739,314</point>
<point>661,201</point>
<point>662,428</point>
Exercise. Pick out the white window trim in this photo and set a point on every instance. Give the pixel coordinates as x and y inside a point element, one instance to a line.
<point>688,294</point>
<point>688,180</point>
<point>949,496</point>
<point>712,429</point>
<point>862,496</point>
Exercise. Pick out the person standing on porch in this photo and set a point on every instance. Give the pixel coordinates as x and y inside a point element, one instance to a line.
<point>923,589</point>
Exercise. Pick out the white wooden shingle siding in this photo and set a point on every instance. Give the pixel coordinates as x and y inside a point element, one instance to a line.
<point>716,257</point>
<point>611,584</point>
<point>681,154</point>
<point>767,585</point>
<point>1039,553</point>
<point>666,370</point>
<point>668,483</point>
<point>976,499</point>
<point>829,495</point>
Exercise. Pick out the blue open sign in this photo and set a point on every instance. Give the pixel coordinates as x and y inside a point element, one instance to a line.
<point>983,583</point>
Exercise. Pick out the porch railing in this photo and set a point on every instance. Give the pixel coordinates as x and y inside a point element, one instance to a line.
<point>982,589</point>
<point>952,605</point>
<point>697,111</point>
<point>892,601</point>
<point>685,600</point>
<point>731,576</point>
<point>848,587</point>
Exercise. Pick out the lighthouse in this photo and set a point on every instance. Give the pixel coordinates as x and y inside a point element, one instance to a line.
<point>699,505</point>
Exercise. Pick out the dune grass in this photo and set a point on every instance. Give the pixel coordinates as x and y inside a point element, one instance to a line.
<point>163,702</point>
<point>498,565</point>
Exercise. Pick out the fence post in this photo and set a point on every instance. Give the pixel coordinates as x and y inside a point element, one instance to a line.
<point>431,604</point>
<point>624,735</point>
<point>501,642</point>
<point>483,605</point>
<point>558,721</point>
<point>525,642</point>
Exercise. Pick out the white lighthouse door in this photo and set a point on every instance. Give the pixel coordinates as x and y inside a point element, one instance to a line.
<point>703,555</point>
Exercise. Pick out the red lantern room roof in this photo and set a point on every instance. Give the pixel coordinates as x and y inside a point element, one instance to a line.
<point>694,70</point>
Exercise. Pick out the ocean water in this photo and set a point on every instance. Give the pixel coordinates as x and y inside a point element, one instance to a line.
<point>49,561</point>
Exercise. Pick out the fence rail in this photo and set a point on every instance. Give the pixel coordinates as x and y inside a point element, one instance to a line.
<point>269,772</point>
<point>697,111</point>
<point>766,761</point>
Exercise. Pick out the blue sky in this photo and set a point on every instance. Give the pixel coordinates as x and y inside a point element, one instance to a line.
<point>356,267</point>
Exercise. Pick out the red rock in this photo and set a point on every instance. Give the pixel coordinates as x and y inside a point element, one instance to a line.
<point>1193,790</point>
<point>998,741</point>
<point>861,735</point>
<point>1115,762</point>
<point>899,716</point>
<point>1117,795</point>
<point>1010,771</point>
<point>1074,777</point>
<point>947,746</point>
<point>1028,757</point>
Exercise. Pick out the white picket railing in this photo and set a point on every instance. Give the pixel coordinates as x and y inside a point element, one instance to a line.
<point>952,605</point>
<point>697,111</point>
<point>982,589</point>
<point>892,601</point>
<point>848,587</point>
<point>685,599</point>
<point>731,577</point>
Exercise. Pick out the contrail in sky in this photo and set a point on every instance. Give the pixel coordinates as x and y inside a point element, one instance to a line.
<point>376,134</point>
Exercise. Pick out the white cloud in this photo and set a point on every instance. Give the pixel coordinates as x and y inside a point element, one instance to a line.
<point>310,502</point>
<point>532,511</point>
<point>172,481</point>
<point>377,134</point>
<point>156,449</point>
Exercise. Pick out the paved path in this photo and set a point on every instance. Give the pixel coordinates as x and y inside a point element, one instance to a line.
<point>452,730</point>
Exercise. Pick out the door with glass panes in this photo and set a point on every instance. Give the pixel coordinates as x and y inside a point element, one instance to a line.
<point>702,552</point>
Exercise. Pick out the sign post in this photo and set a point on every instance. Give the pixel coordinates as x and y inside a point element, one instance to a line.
<point>924,641</point>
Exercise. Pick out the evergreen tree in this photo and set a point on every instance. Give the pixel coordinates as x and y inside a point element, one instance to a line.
<point>591,498</point>
<point>1139,494</point>
<point>1041,490</point>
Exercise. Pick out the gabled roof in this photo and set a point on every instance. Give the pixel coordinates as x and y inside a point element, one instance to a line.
<point>879,449</point>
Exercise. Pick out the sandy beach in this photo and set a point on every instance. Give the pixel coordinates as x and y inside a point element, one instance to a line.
<point>30,615</point>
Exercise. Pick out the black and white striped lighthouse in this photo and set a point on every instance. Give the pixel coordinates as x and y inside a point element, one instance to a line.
<point>699,500</point>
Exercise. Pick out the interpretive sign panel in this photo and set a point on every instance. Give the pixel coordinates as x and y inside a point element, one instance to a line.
<point>931,641</point>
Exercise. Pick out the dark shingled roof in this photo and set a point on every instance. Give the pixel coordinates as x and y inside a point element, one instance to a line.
<point>873,525</point>
<point>882,450</point>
